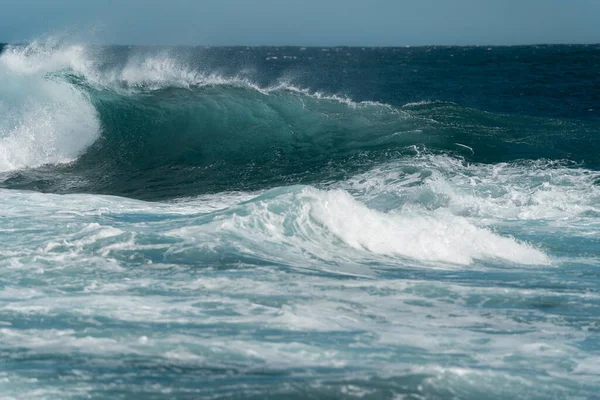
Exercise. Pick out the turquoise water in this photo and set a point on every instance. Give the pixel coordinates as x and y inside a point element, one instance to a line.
<point>299,223</point>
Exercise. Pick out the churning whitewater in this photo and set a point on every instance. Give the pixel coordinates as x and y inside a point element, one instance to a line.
<point>417,223</point>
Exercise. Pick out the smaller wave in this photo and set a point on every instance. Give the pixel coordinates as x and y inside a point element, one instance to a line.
<point>332,226</point>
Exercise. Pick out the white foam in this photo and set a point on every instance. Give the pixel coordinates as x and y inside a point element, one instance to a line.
<point>437,236</point>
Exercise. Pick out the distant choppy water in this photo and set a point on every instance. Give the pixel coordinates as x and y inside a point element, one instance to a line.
<point>416,223</point>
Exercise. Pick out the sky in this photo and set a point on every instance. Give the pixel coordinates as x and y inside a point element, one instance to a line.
<point>306,22</point>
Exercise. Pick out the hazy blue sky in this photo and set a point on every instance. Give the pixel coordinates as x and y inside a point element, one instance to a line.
<point>307,22</point>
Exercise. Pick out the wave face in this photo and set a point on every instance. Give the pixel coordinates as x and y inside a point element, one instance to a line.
<point>299,223</point>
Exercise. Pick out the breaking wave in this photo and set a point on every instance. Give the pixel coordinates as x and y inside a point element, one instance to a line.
<point>153,125</point>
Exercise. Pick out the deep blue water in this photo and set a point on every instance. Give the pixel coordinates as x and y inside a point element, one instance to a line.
<point>418,223</point>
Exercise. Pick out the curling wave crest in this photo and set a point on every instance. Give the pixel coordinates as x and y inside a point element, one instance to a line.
<point>43,119</point>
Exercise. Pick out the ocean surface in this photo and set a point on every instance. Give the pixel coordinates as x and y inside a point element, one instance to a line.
<point>285,222</point>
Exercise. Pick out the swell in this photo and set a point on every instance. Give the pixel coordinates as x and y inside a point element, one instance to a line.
<point>153,127</point>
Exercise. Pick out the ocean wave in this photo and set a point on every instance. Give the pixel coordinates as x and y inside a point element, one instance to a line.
<point>300,241</point>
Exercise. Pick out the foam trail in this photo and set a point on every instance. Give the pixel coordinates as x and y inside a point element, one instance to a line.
<point>465,147</point>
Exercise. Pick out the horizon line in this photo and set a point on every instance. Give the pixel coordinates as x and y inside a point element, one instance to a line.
<point>318,46</point>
